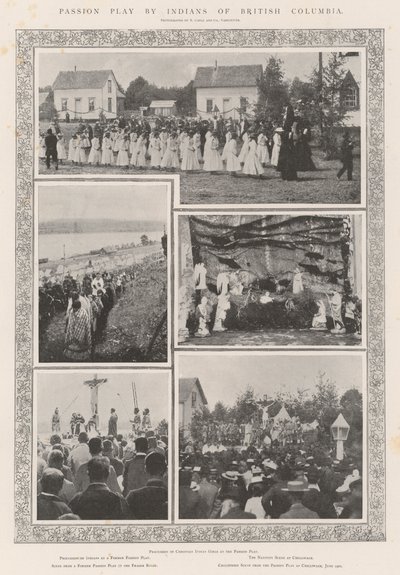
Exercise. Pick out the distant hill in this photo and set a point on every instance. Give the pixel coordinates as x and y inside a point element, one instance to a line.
<point>67,226</point>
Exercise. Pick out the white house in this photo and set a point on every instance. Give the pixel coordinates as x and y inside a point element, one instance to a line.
<point>163,108</point>
<point>191,398</point>
<point>226,90</point>
<point>85,93</point>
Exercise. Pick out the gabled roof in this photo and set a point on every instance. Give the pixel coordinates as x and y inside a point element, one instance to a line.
<point>227,76</point>
<point>162,104</point>
<point>71,80</point>
<point>186,387</point>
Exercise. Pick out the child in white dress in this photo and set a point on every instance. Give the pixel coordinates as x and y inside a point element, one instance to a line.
<point>95,152</point>
<point>155,155</point>
<point>190,162</point>
<point>252,165</point>
<point>213,163</point>
<point>123,158</point>
<point>72,149</point>
<point>262,149</point>
<point>61,152</point>
<point>277,140</point>
<point>245,148</point>
<point>232,161</point>
<point>170,160</point>
<point>107,156</point>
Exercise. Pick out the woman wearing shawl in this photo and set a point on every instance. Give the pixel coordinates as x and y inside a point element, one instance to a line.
<point>78,339</point>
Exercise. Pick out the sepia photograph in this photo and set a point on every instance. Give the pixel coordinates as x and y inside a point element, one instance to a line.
<point>271,437</point>
<point>103,272</point>
<point>243,127</point>
<point>102,446</point>
<point>254,280</point>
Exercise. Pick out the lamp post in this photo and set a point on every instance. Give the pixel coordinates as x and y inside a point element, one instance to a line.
<point>340,431</point>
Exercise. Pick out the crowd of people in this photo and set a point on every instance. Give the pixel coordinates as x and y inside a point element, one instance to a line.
<point>95,477</point>
<point>292,481</point>
<point>86,305</point>
<point>244,146</point>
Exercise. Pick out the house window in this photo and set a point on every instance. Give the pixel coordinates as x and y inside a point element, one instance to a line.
<point>110,104</point>
<point>243,104</point>
<point>209,106</point>
<point>109,84</point>
<point>350,98</point>
<point>64,104</point>
<point>194,399</point>
<point>91,104</point>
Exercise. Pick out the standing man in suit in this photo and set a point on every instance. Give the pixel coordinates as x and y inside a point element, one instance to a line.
<point>135,475</point>
<point>49,505</point>
<point>50,142</point>
<point>82,478</point>
<point>150,501</point>
<point>297,489</point>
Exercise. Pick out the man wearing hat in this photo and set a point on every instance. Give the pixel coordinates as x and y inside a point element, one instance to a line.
<point>296,489</point>
<point>189,500</point>
<point>208,493</point>
<point>150,501</point>
<point>135,475</point>
<point>230,507</point>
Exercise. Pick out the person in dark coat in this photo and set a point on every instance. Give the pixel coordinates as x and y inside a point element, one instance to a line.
<point>189,500</point>
<point>50,142</point>
<point>150,501</point>
<point>98,501</point>
<point>135,475</point>
<point>230,508</point>
<point>346,156</point>
<point>287,158</point>
<point>49,505</point>
<point>297,489</point>
<point>208,493</point>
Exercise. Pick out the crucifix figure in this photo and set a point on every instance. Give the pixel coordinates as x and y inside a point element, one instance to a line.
<point>94,385</point>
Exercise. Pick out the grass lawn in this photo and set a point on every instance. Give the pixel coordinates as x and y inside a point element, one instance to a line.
<point>320,186</point>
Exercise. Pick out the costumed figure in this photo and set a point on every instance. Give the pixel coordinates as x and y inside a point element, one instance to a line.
<point>55,421</point>
<point>146,422</point>
<point>319,319</point>
<point>335,302</point>
<point>202,318</point>
<point>199,276</point>
<point>222,308</point>
<point>297,281</point>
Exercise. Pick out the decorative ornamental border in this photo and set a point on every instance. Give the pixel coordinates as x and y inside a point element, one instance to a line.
<point>26,42</point>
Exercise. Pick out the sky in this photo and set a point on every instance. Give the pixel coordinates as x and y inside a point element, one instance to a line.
<point>115,202</point>
<point>61,389</point>
<point>223,378</point>
<point>167,68</point>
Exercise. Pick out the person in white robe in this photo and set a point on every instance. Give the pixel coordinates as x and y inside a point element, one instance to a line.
<point>72,149</point>
<point>61,151</point>
<point>262,149</point>
<point>277,141</point>
<point>95,152</point>
<point>252,165</point>
<point>155,154</point>
<point>107,156</point>
<point>190,162</point>
<point>170,160</point>
<point>213,161</point>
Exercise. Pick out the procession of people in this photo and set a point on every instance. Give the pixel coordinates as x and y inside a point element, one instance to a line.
<point>86,305</point>
<point>246,146</point>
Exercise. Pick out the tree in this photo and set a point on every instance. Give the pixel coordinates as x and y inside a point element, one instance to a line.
<point>300,90</point>
<point>220,412</point>
<point>351,407</point>
<point>326,402</point>
<point>273,91</point>
<point>329,104</point>
<point>138,93</point>
<point>186,100</point>
<point>162,427</point>
<point>200,417</point>
<point>245,407</point>
<point>144,240</point>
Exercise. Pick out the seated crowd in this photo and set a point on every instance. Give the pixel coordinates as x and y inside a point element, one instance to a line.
<point>103,478</point>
